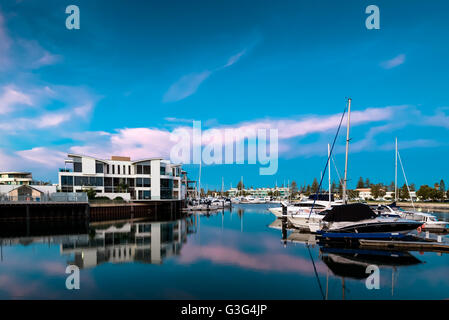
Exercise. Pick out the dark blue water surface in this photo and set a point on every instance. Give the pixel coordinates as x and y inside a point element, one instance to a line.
<point>237,254</point>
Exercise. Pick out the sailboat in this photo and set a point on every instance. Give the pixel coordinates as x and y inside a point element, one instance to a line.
<point>309,219</point>
<point>430,222</point>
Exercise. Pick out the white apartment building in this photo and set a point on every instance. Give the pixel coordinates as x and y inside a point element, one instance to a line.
<point>140,180</point>
<point>365,194</point>
<point>16,178</point>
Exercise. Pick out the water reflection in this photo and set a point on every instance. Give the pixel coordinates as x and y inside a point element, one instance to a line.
<point>240,254</point>
<point>119,242</point>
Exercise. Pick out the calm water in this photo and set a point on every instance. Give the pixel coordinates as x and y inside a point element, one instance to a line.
<point>230,255</point>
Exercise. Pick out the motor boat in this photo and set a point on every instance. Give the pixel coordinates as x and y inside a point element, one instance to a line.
<point>430,222</point>
<point>360,221</point>
<point>318,202</point>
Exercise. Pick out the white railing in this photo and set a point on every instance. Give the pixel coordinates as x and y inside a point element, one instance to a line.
<point>54,197</point>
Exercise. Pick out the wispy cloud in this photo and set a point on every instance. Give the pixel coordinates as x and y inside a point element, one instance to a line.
<point>392,63</point>
<point>12,97</point>
<point>186,86</point>
<point>189,84</point>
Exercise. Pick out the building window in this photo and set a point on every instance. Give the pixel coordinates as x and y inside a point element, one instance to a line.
<point>139,182</point>
<point>129,170</point>
<point>124,171</point>
<point>166,188</point>
<point>82,181</point>
<point>162,171</point>
<point>77,167</point>
<point>146,169</point>
<point>146,182</point>
<point>118,169</point>
<point>113,169</point>
<point>67,180</point>
<point>130,182</point>
<point>107,168</point>
<point>98,167</point>
<point>139,169</point>
<point>108,182</point>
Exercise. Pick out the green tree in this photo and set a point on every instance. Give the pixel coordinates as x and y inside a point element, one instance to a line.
<point>377,190</point>
<point>442,186</point>
<point>293,189</point>
<point>424,192</point>
<point>91,193</point>
<point>360,183</point>
<point>403,193</point>
<point>315,186</point>
<point>340,190</point>
<point>367,183</point>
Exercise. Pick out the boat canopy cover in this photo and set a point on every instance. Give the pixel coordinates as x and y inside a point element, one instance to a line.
<point>349,212</point>
<point>321,197</point>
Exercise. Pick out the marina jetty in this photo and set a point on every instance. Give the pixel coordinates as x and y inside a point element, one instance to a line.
<point>62,206</point>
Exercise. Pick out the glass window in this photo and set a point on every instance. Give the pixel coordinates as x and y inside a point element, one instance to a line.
<point>77,167</point>
<point>146,182</point>
<point>130,182</point>
<point>139,169</point>
<point>98,167</point>
<point>113,168</point>
<point>67,180</point>
<point>139,182</point>
<point>147,169</point>
<point>108,182</point>
<point>107,168</point>
<point>81,181</point>
<point>124,171</point>
<point>146,194</point>
<point>162,171</point>
<point>118,169</point>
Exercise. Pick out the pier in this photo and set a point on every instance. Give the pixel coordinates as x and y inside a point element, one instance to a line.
<point>82,210</point>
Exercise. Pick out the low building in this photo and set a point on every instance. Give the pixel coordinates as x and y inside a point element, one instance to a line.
<point>282,192</point>
<point>142,180</point>
<point>26,192</point>
<point>16,178</point>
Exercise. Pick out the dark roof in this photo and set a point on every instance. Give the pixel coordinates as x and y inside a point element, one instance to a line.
<point>349,212</point>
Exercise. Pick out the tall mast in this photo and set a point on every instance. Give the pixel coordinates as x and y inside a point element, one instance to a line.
<point>396,171</point>
<point>222,186</point>
<point>329,169</point>
<point>199,182</point>
<point>345,197</point>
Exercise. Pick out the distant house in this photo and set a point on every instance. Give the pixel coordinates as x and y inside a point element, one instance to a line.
<point>25,192</point>
<point>364,193</point>
<point>15,178</point>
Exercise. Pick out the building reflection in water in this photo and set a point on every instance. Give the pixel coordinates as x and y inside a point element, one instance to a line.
<point>128,241</point>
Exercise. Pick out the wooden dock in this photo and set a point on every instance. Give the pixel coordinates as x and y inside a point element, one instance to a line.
<point>408,245</point>
<point>83,211</point>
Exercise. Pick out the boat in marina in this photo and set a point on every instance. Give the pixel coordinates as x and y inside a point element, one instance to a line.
<point>430,222</point>
<point>359,221</point>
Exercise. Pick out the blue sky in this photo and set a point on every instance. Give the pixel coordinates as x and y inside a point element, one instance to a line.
<point>135,72</point>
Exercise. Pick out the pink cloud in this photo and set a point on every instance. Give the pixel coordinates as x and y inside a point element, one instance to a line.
<point>278,262</point>
<point>44,156</point>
